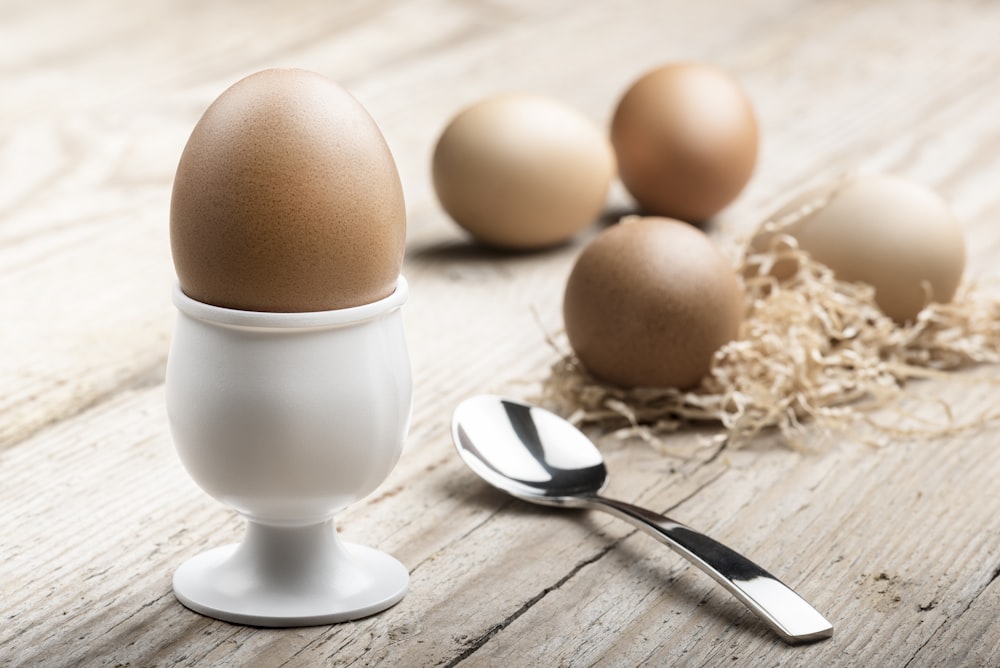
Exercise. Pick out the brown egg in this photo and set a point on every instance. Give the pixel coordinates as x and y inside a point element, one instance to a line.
<point>686,140</point>
<point>649,302</point>
<point>893,234</point>
<point>522,171</point>
<point>287,198</point>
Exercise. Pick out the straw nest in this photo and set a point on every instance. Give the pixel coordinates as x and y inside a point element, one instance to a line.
<point>811,350</point>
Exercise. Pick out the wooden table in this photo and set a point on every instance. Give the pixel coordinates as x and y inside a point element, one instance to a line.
<point>899,546</point>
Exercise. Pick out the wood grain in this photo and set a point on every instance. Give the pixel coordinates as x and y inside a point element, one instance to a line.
<point>898,545</point>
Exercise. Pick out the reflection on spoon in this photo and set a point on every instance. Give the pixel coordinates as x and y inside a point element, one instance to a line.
<point>537,456</point>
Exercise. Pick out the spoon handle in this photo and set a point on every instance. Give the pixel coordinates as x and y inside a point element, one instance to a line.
<point>778,606</point>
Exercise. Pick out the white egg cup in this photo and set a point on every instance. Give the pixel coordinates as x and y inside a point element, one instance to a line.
<point>288,418</point>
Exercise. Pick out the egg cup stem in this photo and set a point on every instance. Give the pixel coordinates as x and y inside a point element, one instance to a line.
<point>288,418</point>
<point>290,576</point>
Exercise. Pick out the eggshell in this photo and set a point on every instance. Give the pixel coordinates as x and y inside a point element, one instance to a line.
<point>522,171</point>
<point>287,198</point>
<point>649,302</point>
<point>893,234</point>
<point>686,140</point>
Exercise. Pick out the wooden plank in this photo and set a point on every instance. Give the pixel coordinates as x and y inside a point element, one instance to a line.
<point>115,486</point>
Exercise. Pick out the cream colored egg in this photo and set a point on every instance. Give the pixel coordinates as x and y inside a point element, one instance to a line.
<point>893,234</point>
<point>649,302</point>
<point>522,171</point>
<point>287,198</point>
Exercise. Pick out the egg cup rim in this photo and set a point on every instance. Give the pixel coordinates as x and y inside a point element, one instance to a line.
<point>293,319</point>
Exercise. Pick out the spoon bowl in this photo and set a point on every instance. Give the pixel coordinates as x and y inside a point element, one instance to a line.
<point>551,464</point>
<point>537,456</point>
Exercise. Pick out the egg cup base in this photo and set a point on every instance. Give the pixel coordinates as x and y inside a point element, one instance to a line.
<point>290,576</point>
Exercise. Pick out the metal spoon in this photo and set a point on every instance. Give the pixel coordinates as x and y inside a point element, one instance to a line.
<point>537,456</point>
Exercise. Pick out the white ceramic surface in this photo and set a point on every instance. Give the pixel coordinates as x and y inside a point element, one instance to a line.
<point>288,418</point>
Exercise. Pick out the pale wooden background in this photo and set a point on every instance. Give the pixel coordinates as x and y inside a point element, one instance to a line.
<point>899,546</point>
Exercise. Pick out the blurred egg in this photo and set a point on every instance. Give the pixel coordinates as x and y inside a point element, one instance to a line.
<point>287,198</point>
<point>649,302</point>
<point>893,234</point>
<point>686,140</point>
<point>522,171</point>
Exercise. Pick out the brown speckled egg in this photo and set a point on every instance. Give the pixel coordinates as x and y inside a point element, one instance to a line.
<point>686,139</point>
<point>649,302</point>
<point>287,199</point>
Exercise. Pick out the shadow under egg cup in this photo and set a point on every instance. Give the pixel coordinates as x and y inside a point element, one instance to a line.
<point>288,418</point>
